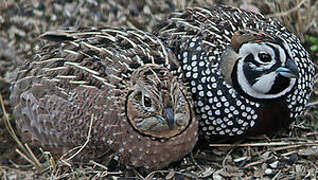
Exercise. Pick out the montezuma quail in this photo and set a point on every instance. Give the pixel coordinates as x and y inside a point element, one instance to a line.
<point>248,75</point>
<point>120,81</point>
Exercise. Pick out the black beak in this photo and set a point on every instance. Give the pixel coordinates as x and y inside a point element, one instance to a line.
<point>169,116</point>
<point>290,70</point>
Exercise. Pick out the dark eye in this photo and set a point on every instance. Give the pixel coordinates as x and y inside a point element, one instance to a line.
<point>264,57</point>
<point>147,101</point>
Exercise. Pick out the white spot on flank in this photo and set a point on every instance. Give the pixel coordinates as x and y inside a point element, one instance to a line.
<point>223,99</point>
<point>194,90</point>
<point>185,54</point>
<point>218,112</point>
<point>209,94</point>
<point>188,74</point>
<point>210,100</point>
<point>226,104</point>
<point>248,109</point>
<point>194,57</point>
<point>189,68</point>
<point>200,104</point>
<point>230,123</point>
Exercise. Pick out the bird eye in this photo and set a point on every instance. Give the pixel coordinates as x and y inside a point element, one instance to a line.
<point>147,101</point>
<point>264,57</point>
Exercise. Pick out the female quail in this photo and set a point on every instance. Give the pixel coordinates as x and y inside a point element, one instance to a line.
<point>118,80</point>
<point>247,74</point>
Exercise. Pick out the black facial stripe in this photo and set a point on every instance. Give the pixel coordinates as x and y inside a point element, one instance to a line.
<point>251,58</point>
<point>279,85</point>
<point>277,55</point>
<point>250,74</point>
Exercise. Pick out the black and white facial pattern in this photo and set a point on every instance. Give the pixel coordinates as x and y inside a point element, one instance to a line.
<point>229,96</point>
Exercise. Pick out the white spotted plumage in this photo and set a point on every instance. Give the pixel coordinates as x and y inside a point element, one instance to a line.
<point>203,38</point>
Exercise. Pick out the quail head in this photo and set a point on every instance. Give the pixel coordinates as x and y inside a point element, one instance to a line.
<point>248,75</point>
<point>120,82</point>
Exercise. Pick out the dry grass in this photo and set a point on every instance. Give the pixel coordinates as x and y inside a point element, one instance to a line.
<point>290,154</point>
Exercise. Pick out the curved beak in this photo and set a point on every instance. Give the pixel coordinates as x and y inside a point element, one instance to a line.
<point>290,70</point>
<point>169,116</point>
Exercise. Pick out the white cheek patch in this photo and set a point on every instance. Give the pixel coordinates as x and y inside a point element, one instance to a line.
<point>265,83</point>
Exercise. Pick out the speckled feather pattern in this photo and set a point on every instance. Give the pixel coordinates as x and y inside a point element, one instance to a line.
<point>87,75</point>
<point>199,37</point>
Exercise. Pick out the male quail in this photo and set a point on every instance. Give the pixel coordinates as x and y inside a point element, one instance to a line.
<point>248,75</point>
<point>118,80</point>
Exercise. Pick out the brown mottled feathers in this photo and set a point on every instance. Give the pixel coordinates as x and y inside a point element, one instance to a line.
<point>119,80</point>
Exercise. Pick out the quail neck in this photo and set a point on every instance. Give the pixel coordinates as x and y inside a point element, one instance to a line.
<point>247,74</point>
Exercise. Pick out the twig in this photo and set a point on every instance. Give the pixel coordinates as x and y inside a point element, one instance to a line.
<point>311,104</point>
<point>9,127</point>
<point>266,144</point>
<point>36,161</point>
<point>150,176</point>
<point>226,157</point>
<point>26,150</point>
<point>24,156</point>
<point>285,147</point>
<point>289,153</point>
<point>254,163</point>
<point>99,165</point>
<point>87,140</point>
<point>289,11</point>
<point>276,176</point>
